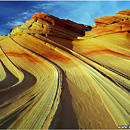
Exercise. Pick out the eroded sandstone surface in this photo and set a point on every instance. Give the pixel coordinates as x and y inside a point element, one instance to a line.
<point>55,73</point>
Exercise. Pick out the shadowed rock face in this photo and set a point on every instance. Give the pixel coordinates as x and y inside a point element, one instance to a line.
<point>55,73</point>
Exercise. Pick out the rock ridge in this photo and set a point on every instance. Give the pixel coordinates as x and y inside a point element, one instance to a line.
<point>57,74</point>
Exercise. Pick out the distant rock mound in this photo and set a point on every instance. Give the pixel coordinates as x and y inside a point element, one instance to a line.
<point>57,74</point>
<point>111,24</point>
<point>47,24</point>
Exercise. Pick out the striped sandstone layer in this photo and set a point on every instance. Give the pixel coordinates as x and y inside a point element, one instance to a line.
<point>55,73</point>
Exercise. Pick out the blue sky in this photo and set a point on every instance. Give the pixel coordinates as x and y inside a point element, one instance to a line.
<point>17,12</point>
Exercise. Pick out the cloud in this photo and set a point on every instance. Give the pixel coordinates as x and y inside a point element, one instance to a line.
<point>15,23</point>
<point>26,14</point>
<point>17,12</point>
<point>18,19</point>
<point>43,6</point>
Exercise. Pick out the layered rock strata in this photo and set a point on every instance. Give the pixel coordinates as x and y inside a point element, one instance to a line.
<point>55,73</point>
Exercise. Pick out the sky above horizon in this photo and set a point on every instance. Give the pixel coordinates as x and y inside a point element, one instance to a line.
<point>17,12</point>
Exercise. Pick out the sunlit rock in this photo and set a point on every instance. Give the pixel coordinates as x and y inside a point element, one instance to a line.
<point>55,73</point>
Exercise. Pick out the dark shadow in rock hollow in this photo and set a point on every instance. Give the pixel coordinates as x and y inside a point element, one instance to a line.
<point>64,36</point>
<point>65,117</point>
<point>28,81</point>
<point>9,80</point>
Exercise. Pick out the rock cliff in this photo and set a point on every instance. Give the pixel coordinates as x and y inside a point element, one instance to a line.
<point>55,73</point>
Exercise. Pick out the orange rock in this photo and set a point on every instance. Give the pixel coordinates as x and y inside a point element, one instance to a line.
<point>110,24</point>
<point>55,73</point>
<point>124,12</point>
<point>42,21</point>
<point>16,26</point>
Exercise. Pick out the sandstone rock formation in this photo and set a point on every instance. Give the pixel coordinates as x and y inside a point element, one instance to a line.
<point>55,73</point>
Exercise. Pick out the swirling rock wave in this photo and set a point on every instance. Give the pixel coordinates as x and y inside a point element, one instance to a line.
<point>55,73</point>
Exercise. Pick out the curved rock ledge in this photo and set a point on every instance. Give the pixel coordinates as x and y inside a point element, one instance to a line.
<point>55,73</point>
